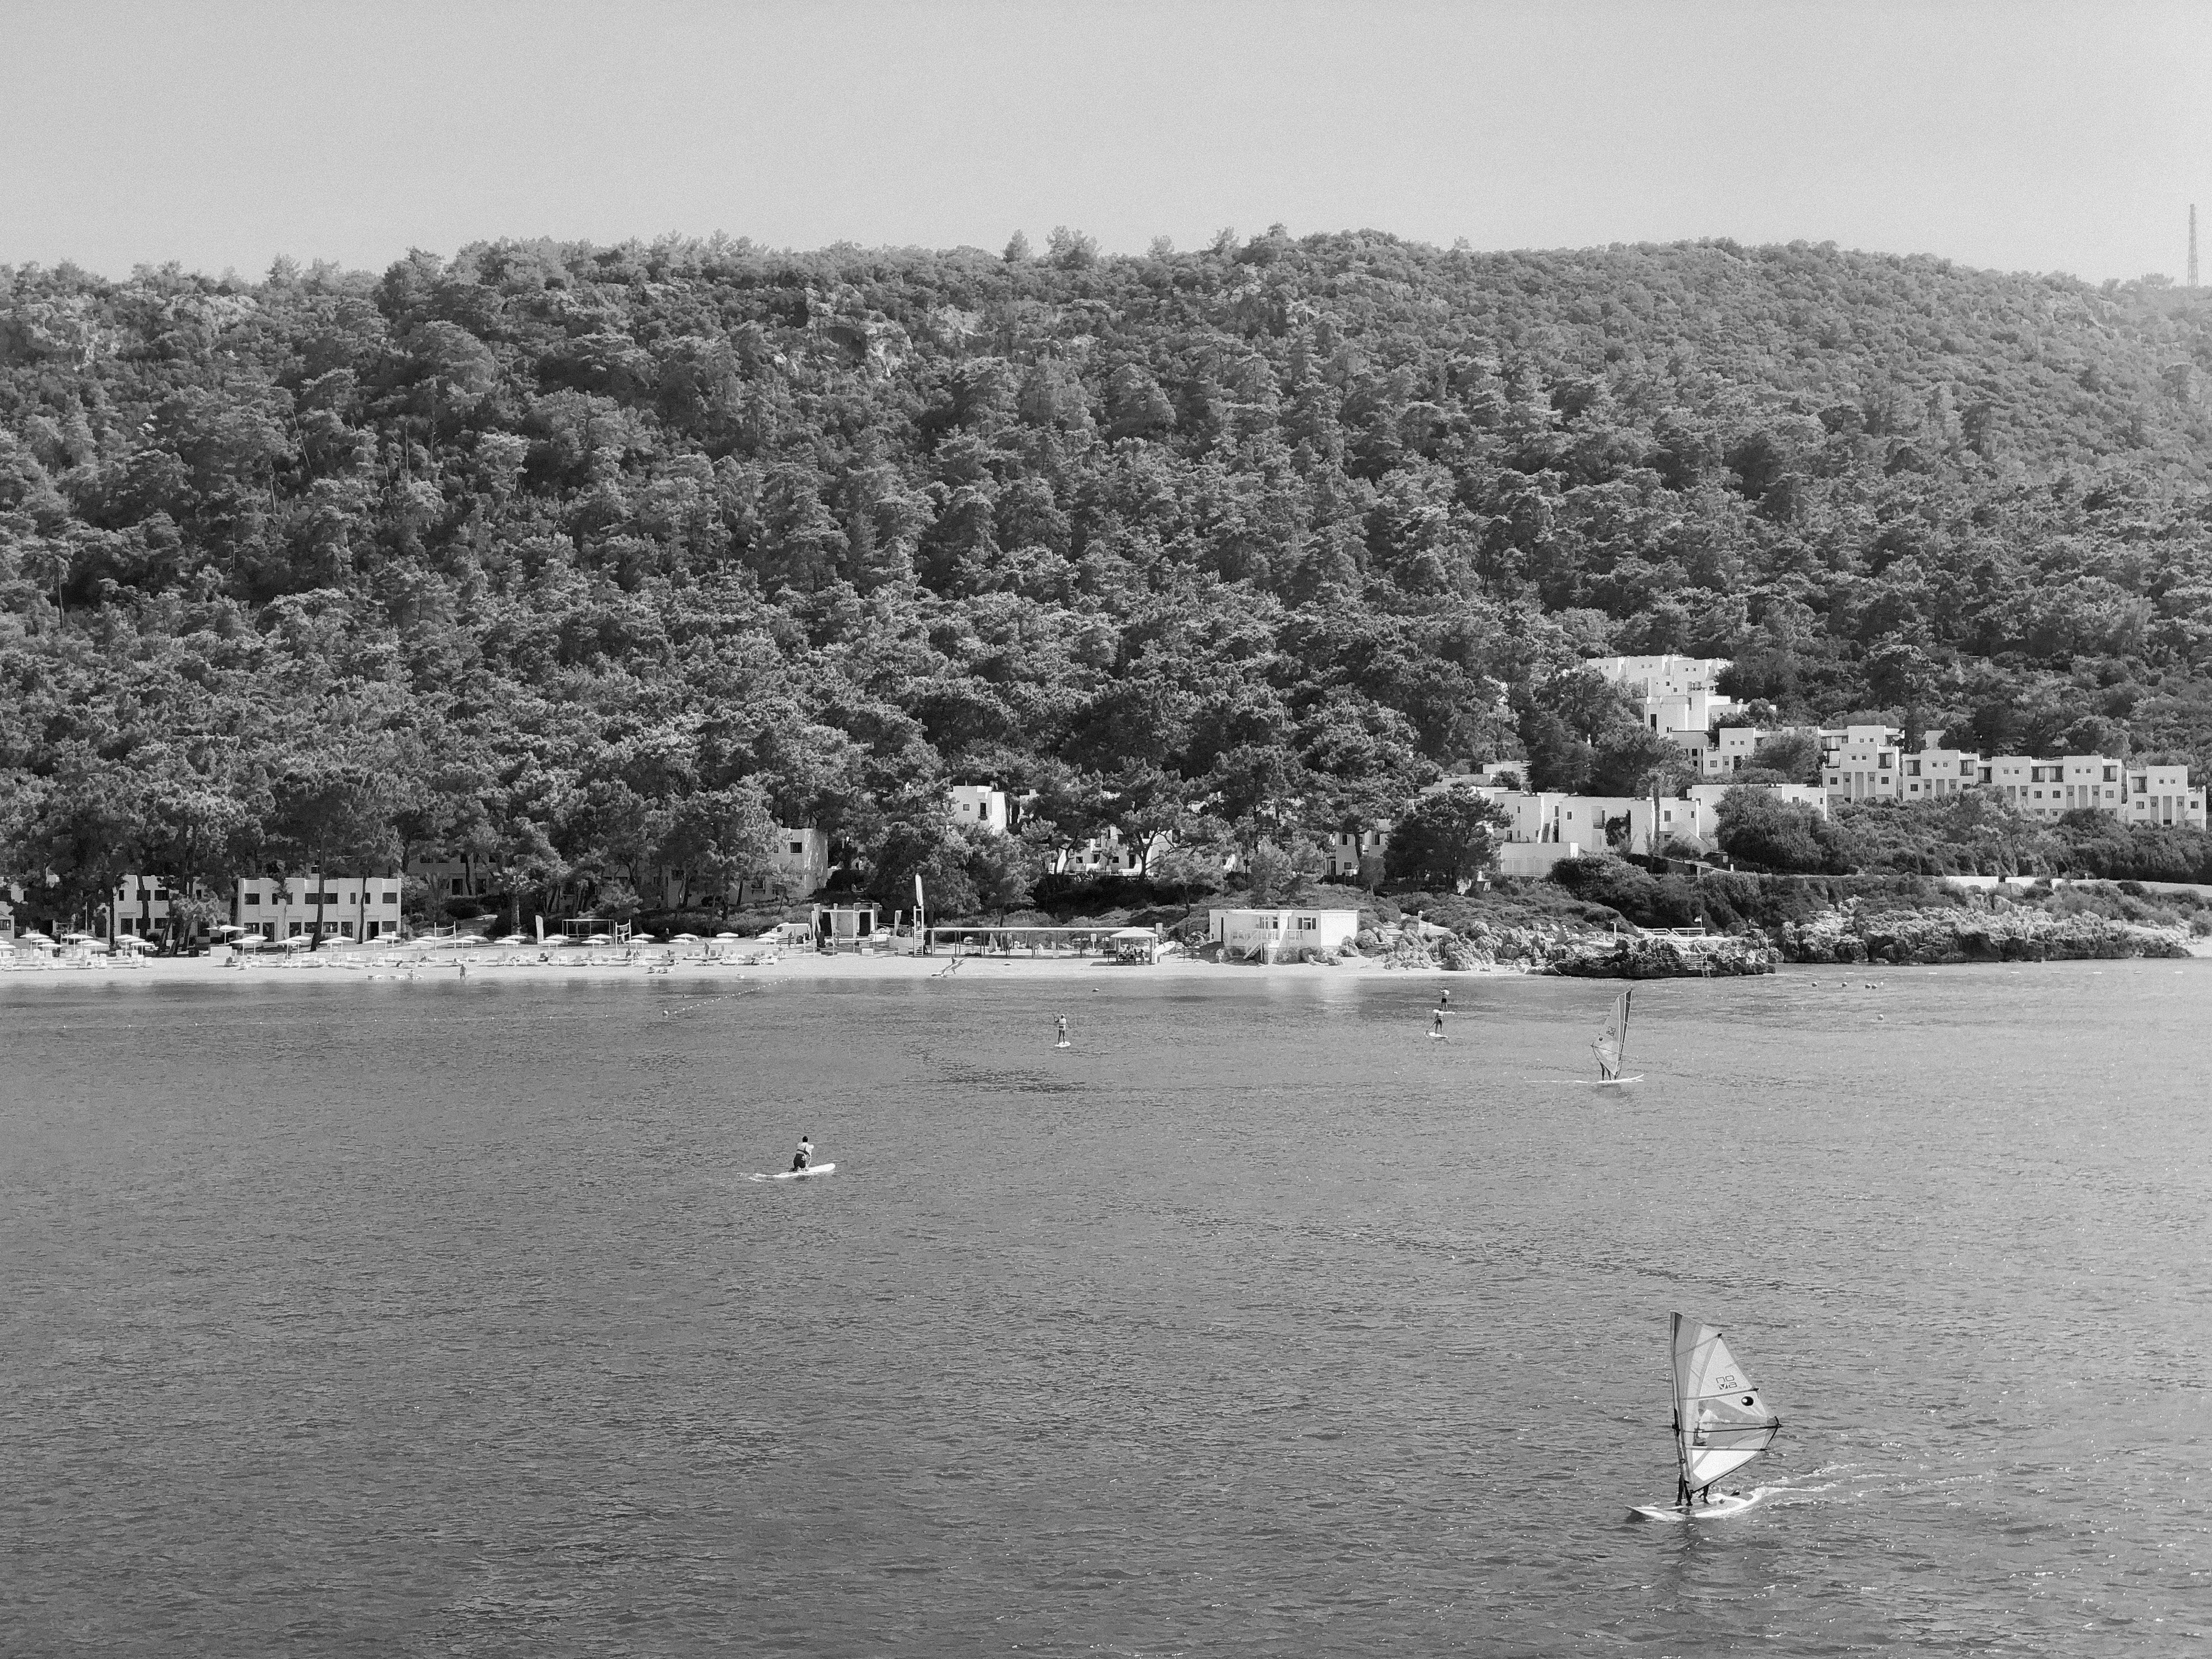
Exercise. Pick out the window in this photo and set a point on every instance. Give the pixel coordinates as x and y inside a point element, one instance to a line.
<point>252,898</point>
<point>459,885</point>
<point>798,848</point>
<point>392,898</point>
<point>294,931</point>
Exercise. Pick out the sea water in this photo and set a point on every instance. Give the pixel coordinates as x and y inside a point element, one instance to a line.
<point>362,1319</point>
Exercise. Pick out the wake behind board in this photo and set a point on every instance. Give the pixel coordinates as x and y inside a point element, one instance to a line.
<point>1720,1509</point>
<point>799,1175</point>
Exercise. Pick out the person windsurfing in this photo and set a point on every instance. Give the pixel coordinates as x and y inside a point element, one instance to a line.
<point>804,1157</point>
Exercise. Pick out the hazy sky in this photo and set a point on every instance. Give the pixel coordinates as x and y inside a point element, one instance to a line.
<point>222,134</point>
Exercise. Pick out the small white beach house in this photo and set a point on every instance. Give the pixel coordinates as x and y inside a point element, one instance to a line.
<point>1273,935</point>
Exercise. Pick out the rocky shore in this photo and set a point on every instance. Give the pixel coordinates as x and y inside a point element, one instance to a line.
<point>1931,938</point>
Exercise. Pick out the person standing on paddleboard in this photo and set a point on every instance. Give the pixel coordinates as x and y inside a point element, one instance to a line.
<point>1062,1028</point>
<point>804,1156</point>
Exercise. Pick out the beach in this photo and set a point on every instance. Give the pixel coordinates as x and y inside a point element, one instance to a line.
<point>655,963</point>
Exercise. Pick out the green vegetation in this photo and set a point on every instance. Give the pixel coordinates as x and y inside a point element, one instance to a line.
<point>596,563</point>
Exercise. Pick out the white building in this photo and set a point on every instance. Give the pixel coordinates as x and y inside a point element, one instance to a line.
<point>1347,848</point>
<point>1862,762</point>
<point>288,907</point>
<point>1936,772</point>
<point>1678,694</point>
<point>802,858</point>
<point>2161,795</point>
<point>1107,853</point>
<point>1270,935</point>
<point>979,804</point>
<point>1662,677</point>
<point>141,905</point>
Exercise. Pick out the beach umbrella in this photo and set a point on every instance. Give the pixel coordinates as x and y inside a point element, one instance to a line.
<point>729,936</point>
<point>600,938</point>
<point>640,939</point>
<point>685,938</point>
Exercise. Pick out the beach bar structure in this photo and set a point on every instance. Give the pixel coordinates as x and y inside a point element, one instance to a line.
<point>981,940</point>
<point>847,927</point>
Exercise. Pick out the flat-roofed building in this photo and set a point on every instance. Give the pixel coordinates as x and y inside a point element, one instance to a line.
<point>2161,796</point>
<point>291,906</point>
<point>979,804</point>
<point>141,907</point>
<point>1935,773</point>
<point>1862,763</point>
<point>1267,935</point>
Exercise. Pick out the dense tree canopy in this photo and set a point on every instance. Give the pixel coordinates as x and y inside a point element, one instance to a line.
<point>593,562</point>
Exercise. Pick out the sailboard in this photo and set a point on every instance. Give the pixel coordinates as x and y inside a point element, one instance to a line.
<point>799,1175</point>
<point>1720,1425</point>
<point>1612,1046</point>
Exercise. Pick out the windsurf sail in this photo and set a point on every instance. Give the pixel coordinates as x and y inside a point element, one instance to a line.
<point>1612,1041</point>
<point>1720,1422</point>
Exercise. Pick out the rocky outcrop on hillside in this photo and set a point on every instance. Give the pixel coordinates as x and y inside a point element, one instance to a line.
<point>1932,937</point>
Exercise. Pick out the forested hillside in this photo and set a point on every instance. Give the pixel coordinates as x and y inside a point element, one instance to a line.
<point>597,561</point>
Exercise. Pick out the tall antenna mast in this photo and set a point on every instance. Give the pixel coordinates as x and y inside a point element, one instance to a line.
<point>2193,244</point>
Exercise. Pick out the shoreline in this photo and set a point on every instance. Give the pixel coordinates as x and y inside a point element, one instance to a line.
<point>798,966</point>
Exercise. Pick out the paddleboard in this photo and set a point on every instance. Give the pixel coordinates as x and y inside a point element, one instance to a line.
<point>799,1175</point>
<point>1608,1082</point>
<point>1720,1509</point>
<point>1063,1045</point>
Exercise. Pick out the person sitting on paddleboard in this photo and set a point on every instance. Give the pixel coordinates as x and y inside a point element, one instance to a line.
<point>804,1156</point>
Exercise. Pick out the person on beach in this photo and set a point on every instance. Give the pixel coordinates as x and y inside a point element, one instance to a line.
<point>804,1156</point>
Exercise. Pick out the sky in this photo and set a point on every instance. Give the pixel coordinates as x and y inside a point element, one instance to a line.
<point>224,133</point>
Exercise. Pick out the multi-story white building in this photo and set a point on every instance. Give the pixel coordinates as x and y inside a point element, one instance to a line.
<point>1106,854</point>
<point>1936,772</point>
<point>1346,848</point>
<point>2161,795</point>
<point>288,907</point>
<point>1661,677</point>
<point>2048,786</point>
<point>140,906</point>
<point>1862,763</point>
<point>979,804</point>
<point>802,857</point>
<point>1677,694</point>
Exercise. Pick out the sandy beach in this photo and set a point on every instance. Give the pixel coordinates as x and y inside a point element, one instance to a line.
<point>653,963</point>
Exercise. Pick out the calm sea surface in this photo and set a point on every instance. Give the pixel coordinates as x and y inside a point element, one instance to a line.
<point>350,1319</point>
